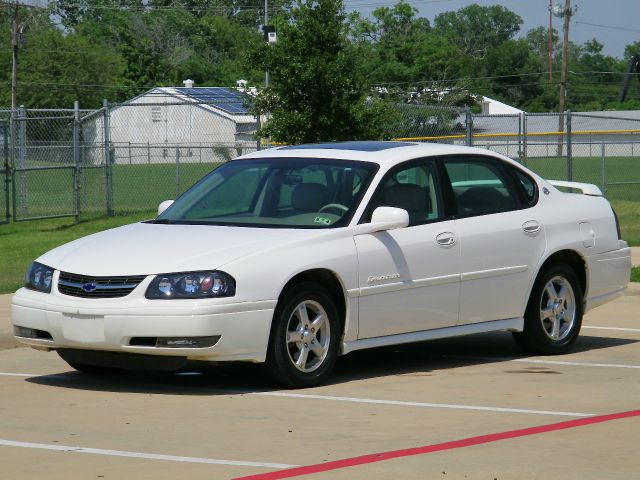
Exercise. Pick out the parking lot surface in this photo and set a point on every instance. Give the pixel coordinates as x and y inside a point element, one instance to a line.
<point>466,408</point>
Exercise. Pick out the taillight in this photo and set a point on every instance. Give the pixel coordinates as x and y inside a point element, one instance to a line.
<point>615,215</point>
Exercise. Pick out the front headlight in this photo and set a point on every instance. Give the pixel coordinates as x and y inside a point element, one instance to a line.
<point>191,285</point>
<point>39,278</point>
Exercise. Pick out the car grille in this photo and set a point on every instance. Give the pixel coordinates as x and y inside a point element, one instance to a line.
<point>97,287</point>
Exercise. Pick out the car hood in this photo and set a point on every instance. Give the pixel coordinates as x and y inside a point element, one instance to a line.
<point>147,248</point>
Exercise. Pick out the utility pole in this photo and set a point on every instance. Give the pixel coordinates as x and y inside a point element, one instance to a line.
<point>550,41</point>
<point>565,13</point>
<point>266,73</point>
<point>566,16</point>
<point>14,49</point>
<point>266,22</point>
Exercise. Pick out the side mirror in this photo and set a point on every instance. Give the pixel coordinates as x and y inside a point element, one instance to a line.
<point>164,205</point>
<point>383,219</point>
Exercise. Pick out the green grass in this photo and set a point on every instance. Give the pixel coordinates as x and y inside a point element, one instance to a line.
<point>629,217</point>
<point>138,189</point>
<point>24,241</point>
<point>143,187</point>
<point>589,170</point>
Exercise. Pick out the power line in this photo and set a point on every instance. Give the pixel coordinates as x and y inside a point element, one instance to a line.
<point>608,26</point>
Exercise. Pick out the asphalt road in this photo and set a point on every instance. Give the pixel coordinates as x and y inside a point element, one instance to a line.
<point>436,406</point>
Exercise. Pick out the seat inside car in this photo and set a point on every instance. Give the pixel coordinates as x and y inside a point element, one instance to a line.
<point>411,197</point>
<point>309,197</point>
<point>478,200</point>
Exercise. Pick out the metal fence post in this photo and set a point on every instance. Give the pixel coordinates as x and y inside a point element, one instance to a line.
<point>469,127</point>
<point>569,152</point>
<point>177,171</point>
<point>521,144</point>
<point>22,162</point>
<point>76,158</point>
<point>603,169</point>
<point>7,173</point>
<point>107,157</point>
<point>258,138</point>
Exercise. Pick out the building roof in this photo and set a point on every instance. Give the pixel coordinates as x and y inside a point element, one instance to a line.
<point>226,99</point>
<point>226,102</point>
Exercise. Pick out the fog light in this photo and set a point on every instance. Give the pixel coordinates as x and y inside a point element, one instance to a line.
<point>187,342</point>
<point>24,332</point>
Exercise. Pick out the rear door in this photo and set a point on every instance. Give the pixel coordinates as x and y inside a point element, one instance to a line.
<point>501,236</point>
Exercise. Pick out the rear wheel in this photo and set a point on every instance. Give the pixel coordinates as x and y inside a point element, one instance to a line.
<point>304,338</point>
<point>553,317</point>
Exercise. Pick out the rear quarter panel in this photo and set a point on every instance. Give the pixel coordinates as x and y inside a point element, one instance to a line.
<point>607,259</point>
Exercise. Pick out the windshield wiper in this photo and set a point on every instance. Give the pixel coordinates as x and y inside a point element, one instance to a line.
<point>162,221</point>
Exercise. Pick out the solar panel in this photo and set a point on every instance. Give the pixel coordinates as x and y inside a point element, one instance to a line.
<point>224,99</point>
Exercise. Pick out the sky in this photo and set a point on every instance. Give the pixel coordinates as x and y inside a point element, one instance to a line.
<point>622,15</point>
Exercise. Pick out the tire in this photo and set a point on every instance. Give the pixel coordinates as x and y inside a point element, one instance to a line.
<point>553,316</point>
<point>94,369</point>
<point>305,337</point>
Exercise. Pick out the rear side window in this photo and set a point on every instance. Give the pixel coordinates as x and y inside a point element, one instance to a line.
<point>481,186</point>
<point>529,187</point>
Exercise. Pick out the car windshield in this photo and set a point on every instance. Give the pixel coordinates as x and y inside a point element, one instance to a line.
<point>275,192</point>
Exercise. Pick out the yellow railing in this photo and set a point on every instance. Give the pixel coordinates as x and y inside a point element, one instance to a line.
<point>496,135</point>
<point>528,134</point>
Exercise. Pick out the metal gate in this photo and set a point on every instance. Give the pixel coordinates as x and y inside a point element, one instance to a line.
<point>44,179</point>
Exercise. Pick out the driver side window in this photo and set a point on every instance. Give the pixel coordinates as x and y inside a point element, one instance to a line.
<point>413,189</point>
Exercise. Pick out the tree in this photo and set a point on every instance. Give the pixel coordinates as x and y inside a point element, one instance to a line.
<point>476,29</point>
<point>165,47</point>
<point>319,90</point>
<point>517,70</point>
<point>55,69</point>
<point>538,40</point>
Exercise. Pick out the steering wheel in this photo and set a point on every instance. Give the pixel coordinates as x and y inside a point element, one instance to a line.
<point>334,206</point>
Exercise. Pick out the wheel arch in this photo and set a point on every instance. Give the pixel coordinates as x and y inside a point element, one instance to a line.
<point>571,258</point>
<point>329,280</point>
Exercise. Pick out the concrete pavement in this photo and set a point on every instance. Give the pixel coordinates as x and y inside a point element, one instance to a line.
<point>228,421</point>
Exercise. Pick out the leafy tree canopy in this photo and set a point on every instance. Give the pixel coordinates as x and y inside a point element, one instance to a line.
<point>319,89</point>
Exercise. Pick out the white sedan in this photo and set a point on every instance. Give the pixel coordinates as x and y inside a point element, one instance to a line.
<point>296,255</point>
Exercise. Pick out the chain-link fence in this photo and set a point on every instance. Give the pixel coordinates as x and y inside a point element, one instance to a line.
<point>602,148</point>
<point>119,159</point>
<point>127,158</point>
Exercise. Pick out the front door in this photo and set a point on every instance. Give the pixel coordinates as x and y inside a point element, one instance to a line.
<point>409,278</point>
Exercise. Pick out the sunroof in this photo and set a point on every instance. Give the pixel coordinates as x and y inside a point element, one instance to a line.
<point>364,146</point>
<point>225,99</point>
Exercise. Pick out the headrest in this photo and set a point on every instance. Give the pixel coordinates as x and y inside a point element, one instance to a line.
<point>310,197</point>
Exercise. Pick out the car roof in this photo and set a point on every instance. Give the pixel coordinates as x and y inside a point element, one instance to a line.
<point>383,153</point>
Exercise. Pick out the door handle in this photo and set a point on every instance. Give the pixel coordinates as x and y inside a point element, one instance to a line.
<point>531,227</point>
<point>446,239</point>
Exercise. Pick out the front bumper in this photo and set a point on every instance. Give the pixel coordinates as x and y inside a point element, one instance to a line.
<point>111,324</point>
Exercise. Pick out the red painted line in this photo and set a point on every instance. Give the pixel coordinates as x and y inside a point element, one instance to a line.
<point>438,447</point>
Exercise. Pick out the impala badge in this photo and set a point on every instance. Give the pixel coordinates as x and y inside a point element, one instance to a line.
<point>382,278</point>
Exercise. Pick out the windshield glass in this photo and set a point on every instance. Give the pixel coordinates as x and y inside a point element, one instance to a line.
<point>275,192</point>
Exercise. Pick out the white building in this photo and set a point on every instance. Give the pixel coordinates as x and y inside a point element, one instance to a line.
<point>177,125</point>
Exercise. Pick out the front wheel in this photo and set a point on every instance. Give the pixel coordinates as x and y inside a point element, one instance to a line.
<point>305,337</point>
<point>553,317</point>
